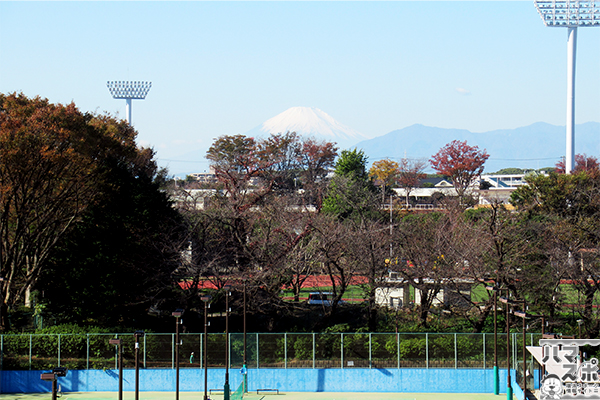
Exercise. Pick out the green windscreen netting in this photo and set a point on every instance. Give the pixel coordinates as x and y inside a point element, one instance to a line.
<point>239,393</point>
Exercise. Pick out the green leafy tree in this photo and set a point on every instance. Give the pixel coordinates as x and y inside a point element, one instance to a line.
<point>351,192</point>
<point>352,164</point>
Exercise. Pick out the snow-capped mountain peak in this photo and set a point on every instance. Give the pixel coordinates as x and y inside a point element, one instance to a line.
<point>310,121</point>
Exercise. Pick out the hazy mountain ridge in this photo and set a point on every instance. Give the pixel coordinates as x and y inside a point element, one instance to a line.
<point>535,146</point>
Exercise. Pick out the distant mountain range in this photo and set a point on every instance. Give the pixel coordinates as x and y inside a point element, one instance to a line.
<point>535,146</point>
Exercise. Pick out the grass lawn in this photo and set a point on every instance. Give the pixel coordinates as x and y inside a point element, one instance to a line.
<point>354,292</point>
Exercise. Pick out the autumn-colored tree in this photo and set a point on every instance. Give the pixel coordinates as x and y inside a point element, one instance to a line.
<point>238,161</point>
<point>583,162</point>
<point>50,163</point>
<point>461,163</point>
<point>410,175</point>
<point>315,160</point>
<point>385,172</point>
<point>278,164</point>
<point>255,232</point>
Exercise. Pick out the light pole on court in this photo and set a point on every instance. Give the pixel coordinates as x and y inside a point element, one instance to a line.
<point>178,321</point>
<point>226,386</point>
<point>206,300</point>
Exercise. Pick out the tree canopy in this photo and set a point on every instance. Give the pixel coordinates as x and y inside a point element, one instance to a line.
<point>56,165</point>
<point>461,163</point>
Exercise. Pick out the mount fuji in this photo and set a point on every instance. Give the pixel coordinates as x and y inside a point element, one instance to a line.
<point>309,122</point>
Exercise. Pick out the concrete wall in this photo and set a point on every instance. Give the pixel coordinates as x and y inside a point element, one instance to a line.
<point>290,380</point>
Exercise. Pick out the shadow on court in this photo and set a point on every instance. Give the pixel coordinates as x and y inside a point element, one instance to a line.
<point>254,396</point>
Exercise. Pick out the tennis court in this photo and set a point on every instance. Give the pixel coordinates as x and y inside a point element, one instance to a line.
<point>254,396</point>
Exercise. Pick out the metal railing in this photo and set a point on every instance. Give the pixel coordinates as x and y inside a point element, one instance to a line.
<point>264,350</point>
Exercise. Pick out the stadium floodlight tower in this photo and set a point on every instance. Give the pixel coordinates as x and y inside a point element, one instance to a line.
<point>128,90</point>
<point>569,14</point>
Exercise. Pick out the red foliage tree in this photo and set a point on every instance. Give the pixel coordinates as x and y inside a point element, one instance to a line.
<point>410,175</point>
<point>582,163</point>
<point>461,163</point>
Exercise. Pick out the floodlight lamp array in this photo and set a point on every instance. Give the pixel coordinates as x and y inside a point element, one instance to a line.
<point>569,13</point>
<point>129,90</point>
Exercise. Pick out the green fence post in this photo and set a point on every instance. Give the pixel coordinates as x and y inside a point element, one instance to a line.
<point>30,345</point>
<point>483,350</point>
<point>398,348</point>
<point>285,350</point>
<point>427,350</point>
<point>455,353</point>
<point>314,349</point>
<point>59,349</point>
<point>342,350</point>
<point>87,353</point>
<point>370,349</point>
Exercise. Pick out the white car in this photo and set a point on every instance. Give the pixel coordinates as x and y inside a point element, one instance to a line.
<point>321,298</point>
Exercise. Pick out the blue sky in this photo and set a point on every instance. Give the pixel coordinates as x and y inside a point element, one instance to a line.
<point>225,67</point>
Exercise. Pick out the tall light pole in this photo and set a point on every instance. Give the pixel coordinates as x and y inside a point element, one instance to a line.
<point>569,14</point>
<point>523,314</point>
<point>128,90</point>
<point>177,314</point>
<point>494,290</point>
<point>226,387</point>
<point>206,300</point>
<point>509,390</point>
<point>244,365</point>
<point>119,343</point>
<point>137,335</point>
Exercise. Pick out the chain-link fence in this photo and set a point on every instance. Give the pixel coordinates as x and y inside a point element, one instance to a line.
<point>266,350</point>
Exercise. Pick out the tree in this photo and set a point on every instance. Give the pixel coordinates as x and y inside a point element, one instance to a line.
<point>275,165</point>
<point>126,243</point>
<point>238,161</point>
<point>350,191</point>
<point>333,242</point>
<point>256,231</point>
<point>422,248</point>
<point>352,164</point>
<point>583,162</point>
<point>571,204</point>
<point>461,163</point>
<point>410,175</point>
<point>385,172</point>
<point>315,161</point>
<point>51,159</point>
